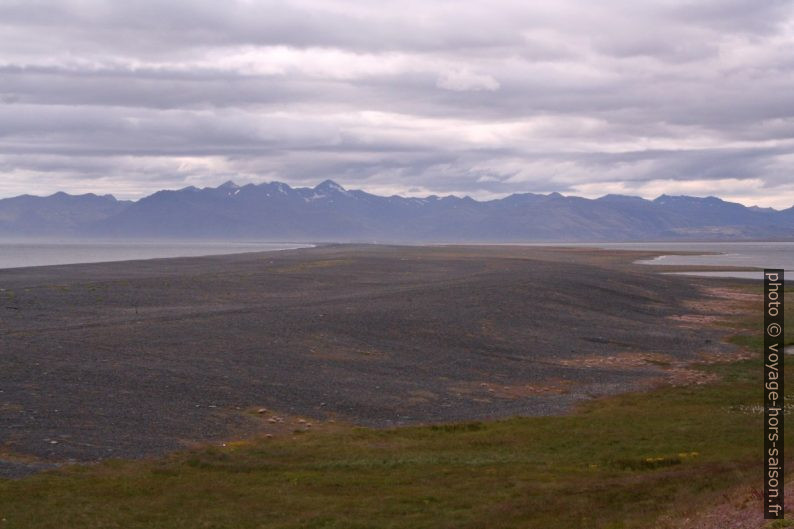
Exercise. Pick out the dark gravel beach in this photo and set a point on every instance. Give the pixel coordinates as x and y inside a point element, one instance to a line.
<point>140,358</point>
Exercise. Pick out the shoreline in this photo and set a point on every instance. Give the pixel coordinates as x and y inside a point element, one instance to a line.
<point>656,253</point>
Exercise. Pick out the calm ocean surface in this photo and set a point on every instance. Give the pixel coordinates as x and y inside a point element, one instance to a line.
<point>15,254</point>
<point>744,254</point>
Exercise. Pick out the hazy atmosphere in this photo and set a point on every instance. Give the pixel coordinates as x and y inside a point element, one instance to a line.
<point>420,264</point>
<point>482,98</point>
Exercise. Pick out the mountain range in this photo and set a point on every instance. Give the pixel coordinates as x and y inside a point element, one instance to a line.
<point>329,212</point>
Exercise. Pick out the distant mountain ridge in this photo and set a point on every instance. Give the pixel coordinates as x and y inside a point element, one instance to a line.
<point>329,212</point>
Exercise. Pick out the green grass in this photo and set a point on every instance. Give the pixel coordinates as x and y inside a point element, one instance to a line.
<point>618,462</point>
<point>777,524</point>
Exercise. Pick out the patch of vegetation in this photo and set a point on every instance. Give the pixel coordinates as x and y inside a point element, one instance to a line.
<point>778,524</point>
<point>312,265</point>
<point>621,461</point>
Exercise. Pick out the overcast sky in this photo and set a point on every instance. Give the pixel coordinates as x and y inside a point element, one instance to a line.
<point>483,98</point>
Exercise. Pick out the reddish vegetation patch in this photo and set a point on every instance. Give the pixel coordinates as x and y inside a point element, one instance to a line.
<point>718,305</point>
<point>267,423</point>
<point>671,371</point>
<point>7,453</point>
<point>733,294</point>
<point>420,396</point>
<point>619,361</point>
<point>724,358</point>
<point>741,508</point>
<point>486,390</point>
<point>697,320</point>
<point>547,387</point>
<point>325,347</point>
<point>683,376</point>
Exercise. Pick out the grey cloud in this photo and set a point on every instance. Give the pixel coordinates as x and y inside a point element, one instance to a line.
<point>149,25</point>
<point>481,98</point>
<point>742,16</point>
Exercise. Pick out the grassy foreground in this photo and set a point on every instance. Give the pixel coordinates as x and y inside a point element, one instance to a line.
<point>619,462</point>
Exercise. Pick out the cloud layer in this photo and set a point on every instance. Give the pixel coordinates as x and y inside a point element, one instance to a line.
<point>415,97</point>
